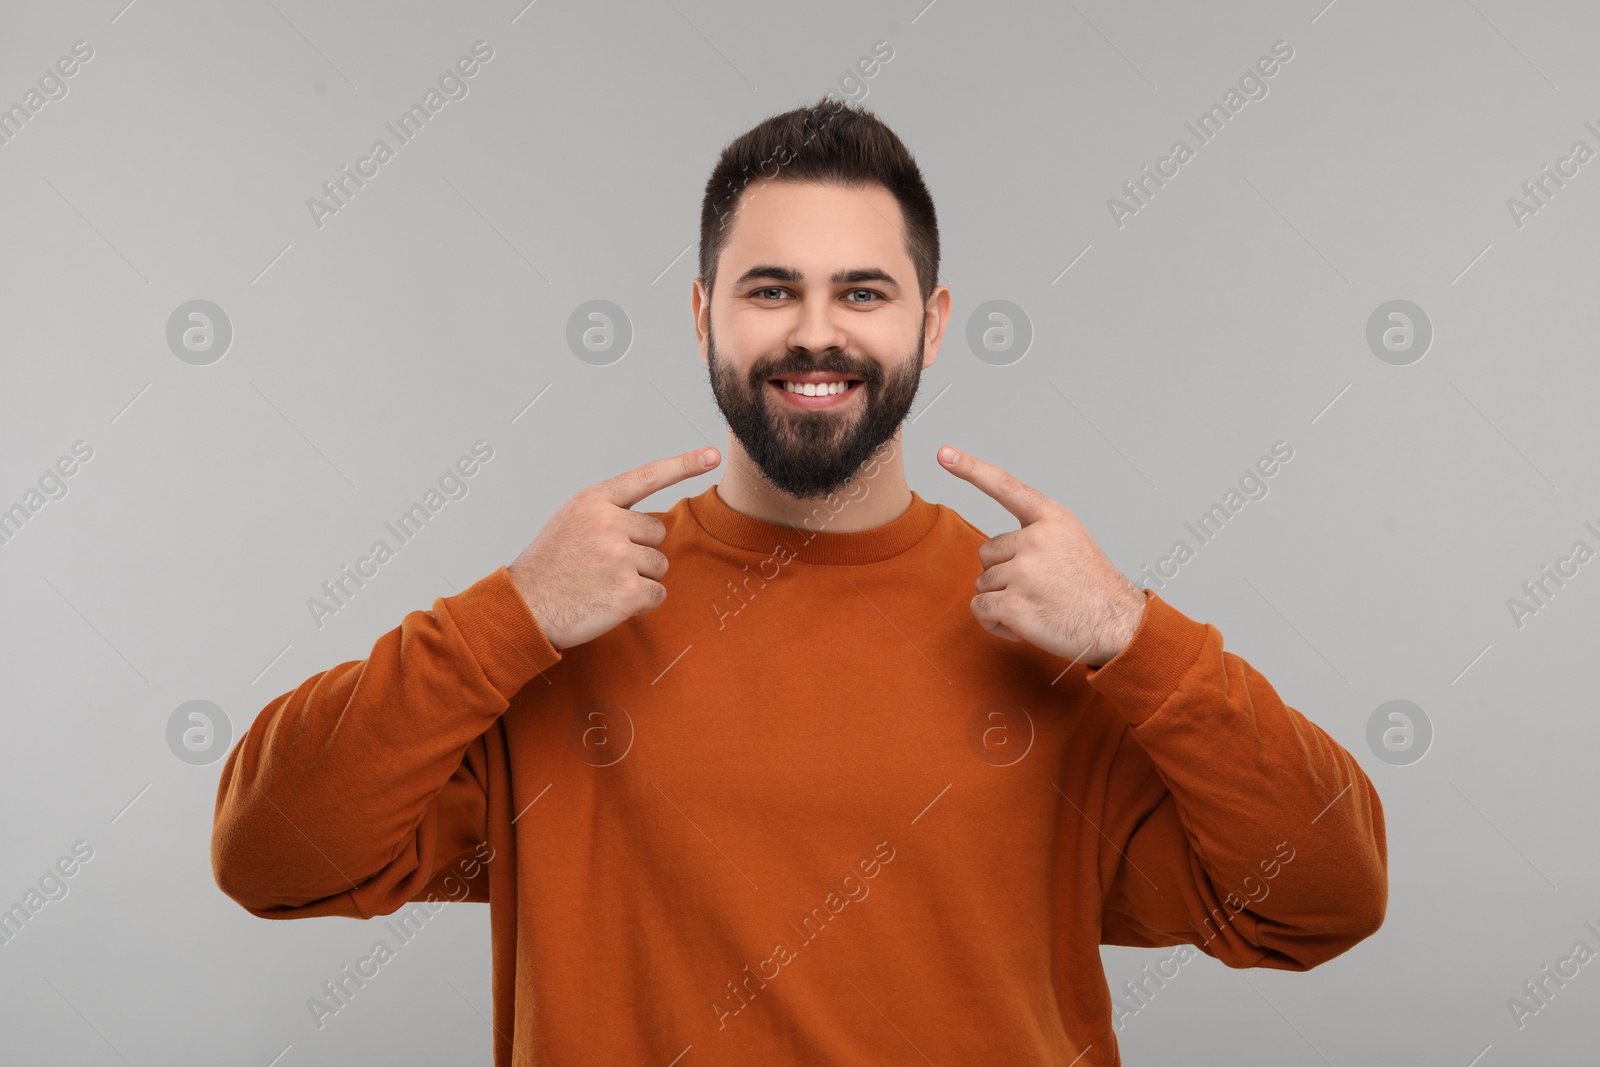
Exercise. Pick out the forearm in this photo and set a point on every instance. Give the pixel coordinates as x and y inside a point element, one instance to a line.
<point>1253,780</point>
<point>338,782</point>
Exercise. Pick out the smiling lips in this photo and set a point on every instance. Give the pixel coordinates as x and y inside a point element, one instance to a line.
<point>815,390</point>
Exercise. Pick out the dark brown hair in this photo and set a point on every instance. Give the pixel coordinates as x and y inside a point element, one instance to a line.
<point>832,141</point>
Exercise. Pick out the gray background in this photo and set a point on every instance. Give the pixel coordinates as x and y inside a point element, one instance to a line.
<point>368,354</point>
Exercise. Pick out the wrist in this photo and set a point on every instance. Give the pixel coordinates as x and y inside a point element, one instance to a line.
<point>1129,616</point>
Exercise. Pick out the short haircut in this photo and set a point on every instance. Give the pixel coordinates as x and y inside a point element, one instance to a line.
<point>830,142</point>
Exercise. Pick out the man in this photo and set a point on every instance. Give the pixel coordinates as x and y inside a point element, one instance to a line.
<point>869,786</point>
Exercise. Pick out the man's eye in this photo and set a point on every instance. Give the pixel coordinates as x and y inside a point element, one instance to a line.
<point>869,292</point>
<point>769,289</point>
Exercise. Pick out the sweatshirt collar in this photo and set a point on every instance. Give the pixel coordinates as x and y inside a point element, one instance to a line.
<point>814,543</point>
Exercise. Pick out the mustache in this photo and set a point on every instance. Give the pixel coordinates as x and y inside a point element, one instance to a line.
<point>867,370</point>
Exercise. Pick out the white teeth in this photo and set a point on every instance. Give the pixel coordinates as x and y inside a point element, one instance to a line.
<point>816,389</point>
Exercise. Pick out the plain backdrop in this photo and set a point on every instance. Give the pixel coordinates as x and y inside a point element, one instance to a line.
<point>1169,348</point>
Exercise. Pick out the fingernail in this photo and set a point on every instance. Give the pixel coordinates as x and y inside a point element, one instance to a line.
<point>708,456</point>
<point>949,455</point>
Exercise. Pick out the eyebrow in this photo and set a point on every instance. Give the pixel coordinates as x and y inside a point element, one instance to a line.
<point>843,277</point>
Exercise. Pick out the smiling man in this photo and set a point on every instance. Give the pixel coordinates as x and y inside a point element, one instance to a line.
<point>870,786</point>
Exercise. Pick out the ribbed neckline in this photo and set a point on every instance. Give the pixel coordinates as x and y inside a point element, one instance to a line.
<point>815,544</point>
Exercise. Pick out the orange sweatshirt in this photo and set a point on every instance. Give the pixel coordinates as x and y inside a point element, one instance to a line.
<point>806,811</point>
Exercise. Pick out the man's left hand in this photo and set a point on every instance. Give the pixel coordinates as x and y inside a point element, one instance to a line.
<point>1048,583</point>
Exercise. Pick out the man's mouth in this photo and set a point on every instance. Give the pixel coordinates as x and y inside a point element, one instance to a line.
<point>833,391</point>
<point>831,387</point>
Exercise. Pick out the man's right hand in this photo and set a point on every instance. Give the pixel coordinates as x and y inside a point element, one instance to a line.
<point>596,563</point>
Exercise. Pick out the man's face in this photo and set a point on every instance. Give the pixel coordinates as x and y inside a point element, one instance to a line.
<point>814,278</point>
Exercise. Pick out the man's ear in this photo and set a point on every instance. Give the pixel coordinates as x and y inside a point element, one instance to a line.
<point>936,315</point>
<point>700,307</point>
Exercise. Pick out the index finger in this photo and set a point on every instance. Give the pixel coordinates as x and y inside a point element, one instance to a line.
<point>1016,496</point>
<point>630,487</point>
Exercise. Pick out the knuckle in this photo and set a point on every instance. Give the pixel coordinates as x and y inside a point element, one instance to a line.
<point>619,484</point>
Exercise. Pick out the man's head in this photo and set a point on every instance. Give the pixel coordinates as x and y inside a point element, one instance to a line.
<point>819,253</point>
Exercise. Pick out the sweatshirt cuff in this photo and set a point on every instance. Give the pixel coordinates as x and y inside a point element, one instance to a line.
<point>502,634</point>
<point>1145,674</point>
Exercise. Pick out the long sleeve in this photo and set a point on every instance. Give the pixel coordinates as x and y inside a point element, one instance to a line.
<point>348,793</point>
<point>1232,822</point>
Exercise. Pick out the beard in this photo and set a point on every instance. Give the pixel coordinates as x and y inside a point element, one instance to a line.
<point>813,453</point>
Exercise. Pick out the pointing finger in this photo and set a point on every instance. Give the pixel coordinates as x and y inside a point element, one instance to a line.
<point>630,487</point>
<point>1018,497</point>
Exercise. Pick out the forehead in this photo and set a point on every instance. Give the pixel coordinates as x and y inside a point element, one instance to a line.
<point>820,225</point>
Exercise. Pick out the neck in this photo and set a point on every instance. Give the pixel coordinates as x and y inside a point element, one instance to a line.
<point>876,495</point>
